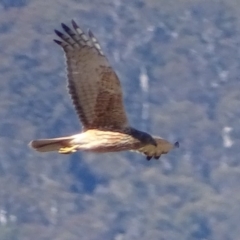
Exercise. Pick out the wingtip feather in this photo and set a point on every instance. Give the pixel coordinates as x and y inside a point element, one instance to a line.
<point>59,33</point>
<point>74,24</point>
<point>57,41</point>
<point>65,27</point>
<point>90,34</point>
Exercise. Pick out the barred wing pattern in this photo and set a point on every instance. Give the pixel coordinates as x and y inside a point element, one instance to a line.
<point>93,85</point>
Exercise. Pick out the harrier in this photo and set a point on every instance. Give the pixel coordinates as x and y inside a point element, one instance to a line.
<point>97,96</point>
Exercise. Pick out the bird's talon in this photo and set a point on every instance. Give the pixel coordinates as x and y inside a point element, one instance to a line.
<point>149,158</point>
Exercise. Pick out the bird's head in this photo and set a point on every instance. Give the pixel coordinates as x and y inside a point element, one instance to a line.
<point>145,138</point>
<point>148,139</point>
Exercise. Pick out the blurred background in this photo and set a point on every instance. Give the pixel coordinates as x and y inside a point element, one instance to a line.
<point>179,65</point>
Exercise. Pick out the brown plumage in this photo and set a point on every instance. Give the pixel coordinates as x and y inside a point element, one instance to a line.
<point>97,96</point>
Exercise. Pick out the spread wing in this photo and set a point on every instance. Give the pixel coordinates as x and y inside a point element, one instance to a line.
<point>93,85</point>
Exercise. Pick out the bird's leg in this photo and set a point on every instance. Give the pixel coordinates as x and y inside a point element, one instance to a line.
<point>67,150</point>
<point>149,158</point>
<point>157,157</point>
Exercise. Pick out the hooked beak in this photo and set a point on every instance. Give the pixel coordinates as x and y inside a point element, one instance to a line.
<point>176,144</point>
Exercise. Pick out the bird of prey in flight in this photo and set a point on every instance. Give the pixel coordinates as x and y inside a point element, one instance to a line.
<point>97,97</point>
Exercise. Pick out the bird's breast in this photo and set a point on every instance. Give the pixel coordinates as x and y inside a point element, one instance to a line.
<point>105,141</point>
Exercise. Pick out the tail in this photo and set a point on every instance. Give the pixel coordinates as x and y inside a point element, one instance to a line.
<point>51,144</point>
